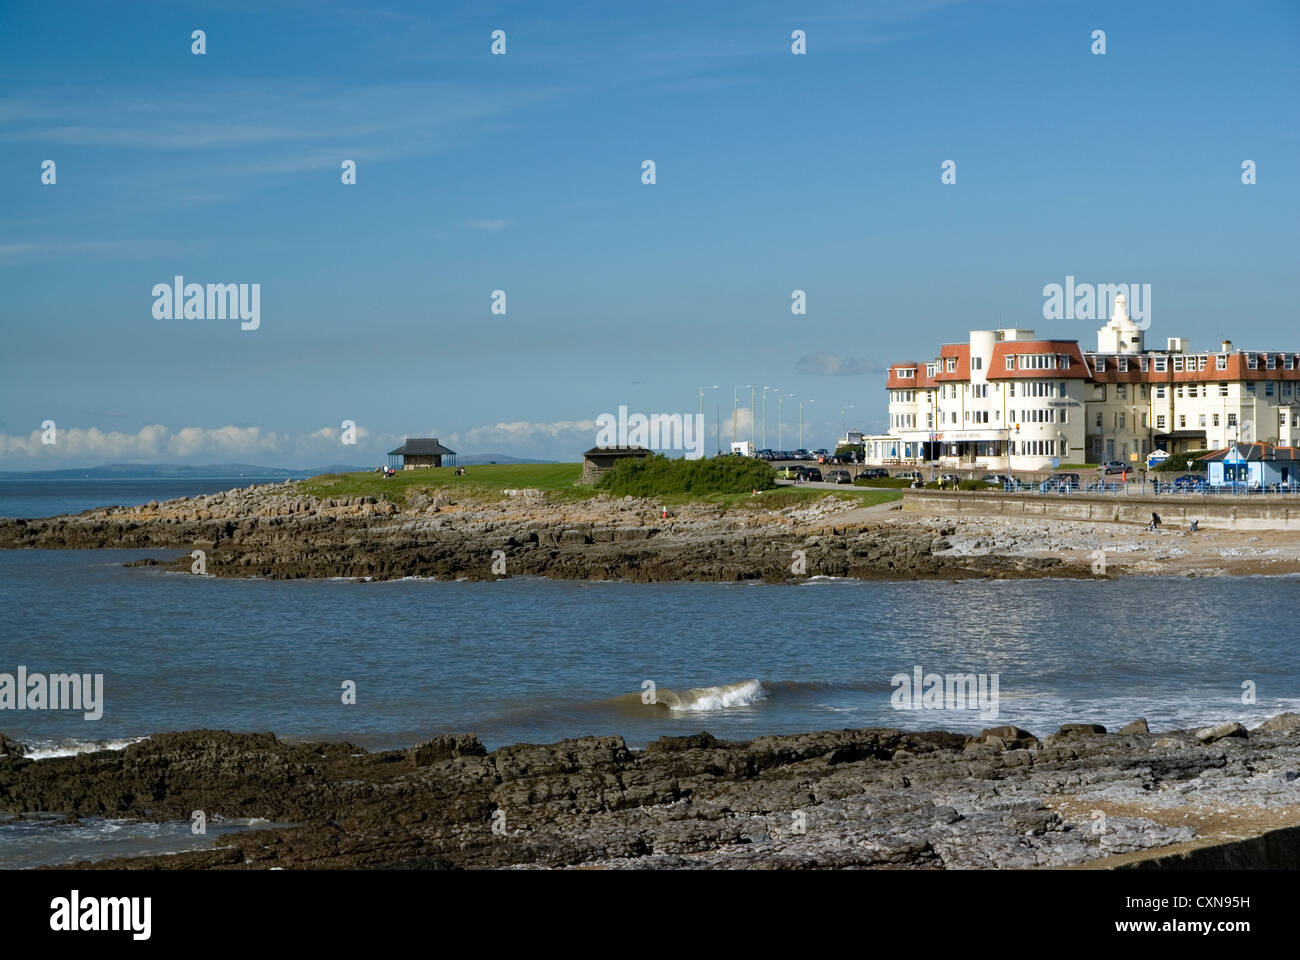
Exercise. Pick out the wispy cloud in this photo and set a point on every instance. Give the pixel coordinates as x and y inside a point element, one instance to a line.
<point>492,226</point>
<point>822,364</point>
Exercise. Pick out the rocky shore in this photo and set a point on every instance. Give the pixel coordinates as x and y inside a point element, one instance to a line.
<point>849,798</point>
<point>276,531</point>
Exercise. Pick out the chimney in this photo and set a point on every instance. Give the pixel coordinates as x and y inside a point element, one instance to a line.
<point>1225,346</point>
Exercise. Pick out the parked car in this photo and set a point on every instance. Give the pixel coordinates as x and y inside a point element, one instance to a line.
<point>802,454</point>
<point>1116,466</point>
<point>839,476</point>
<point>1188,481</point>
<point>812,475</point>
<point>909,475</point>
<point>790,473</point>
<point>995,479</point>
<point>873,473</point>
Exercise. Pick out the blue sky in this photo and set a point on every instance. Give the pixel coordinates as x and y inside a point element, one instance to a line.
<point>522,172</point>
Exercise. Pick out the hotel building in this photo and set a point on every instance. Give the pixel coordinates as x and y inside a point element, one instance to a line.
<point>1007,400</point>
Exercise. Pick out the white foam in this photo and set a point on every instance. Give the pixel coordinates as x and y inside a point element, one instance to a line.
<point>706,699</point>
<point>70,748</point>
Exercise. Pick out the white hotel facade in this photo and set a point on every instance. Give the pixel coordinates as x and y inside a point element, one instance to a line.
<point>1008,400</point>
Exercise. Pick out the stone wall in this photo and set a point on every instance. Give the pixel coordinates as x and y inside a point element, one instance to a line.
<point>1246,512</point>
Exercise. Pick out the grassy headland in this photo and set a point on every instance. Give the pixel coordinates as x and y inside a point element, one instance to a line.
<point>559,482</point>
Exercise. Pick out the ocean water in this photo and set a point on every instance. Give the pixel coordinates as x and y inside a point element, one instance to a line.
<point>531,660</point>
<point>50,498</point>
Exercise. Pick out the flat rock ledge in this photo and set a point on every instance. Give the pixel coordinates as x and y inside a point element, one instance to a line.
<point>836,799</point>
<point>276,532</point>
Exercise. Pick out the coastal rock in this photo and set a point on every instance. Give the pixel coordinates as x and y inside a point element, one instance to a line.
<point>445,747</point>
<point>1282,723</point>
<point>1220,731</point>
<point>1137,728</point>
<point>11,748</point>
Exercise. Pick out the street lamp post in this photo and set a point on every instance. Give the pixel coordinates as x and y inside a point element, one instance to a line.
<point>810,402</point>
<point>779,397</point>
<point>714,387</point>
<point>765,389</point>
<point>752,424</point>
<point>843,435</point>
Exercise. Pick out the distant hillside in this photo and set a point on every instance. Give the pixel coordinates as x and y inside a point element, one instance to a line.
<point>473,458</point>
<point>149,471</point>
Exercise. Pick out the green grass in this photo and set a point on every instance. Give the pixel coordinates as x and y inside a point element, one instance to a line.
<point>483,482</point>
<point>559,480</point>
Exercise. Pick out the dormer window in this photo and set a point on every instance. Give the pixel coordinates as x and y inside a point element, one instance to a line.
<point>1101,364</point>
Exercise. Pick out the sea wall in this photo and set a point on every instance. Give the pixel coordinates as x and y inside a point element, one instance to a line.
<point>1247,512</point>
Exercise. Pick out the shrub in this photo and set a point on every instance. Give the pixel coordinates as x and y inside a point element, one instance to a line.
<point>896,483</point>
<point>658,475</point>
<point>1181,462</point>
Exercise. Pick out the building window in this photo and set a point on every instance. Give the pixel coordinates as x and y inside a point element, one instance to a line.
<point>952,364</point>
<point>1011,362</point>
<point>1202,419</point>
<point>1142,364</point>
<point>1268,388</point>
<point>1160,421</point>
<point>1101,364</point>
<point>1221,362</point>
<point>1065,415</point>
<point>1271,362</point>
<point>1214,419</point>
<point>1099,421</point>
<point>1281,418</point>
<point>977,363</point>
<point>1180,390</point>
<point>1252,361</point>
<point>1250,386</point>
<point>1162,364</point>
<point>1120,425</point>
<point>1099,391</point>
<point>1123,364</point>
<point>1178,364</point>
<point>1223,389</point>
<point>1065,361</point>
<point>1160,391</point>
<point>1232,419</point>
<point>1121,391</point>
<point>1288,363</point>
<point>1182,421</point>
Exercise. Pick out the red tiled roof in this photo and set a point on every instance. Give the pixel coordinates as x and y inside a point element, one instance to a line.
<point>1077,370</point>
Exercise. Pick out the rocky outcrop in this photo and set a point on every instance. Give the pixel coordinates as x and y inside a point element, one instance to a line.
<point>276,532</point>
<point>845,798</point>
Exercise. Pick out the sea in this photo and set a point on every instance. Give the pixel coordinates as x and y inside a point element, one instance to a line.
<point>387,664</point>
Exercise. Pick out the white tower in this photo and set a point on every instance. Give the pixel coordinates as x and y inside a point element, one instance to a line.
<point>1121,335</point>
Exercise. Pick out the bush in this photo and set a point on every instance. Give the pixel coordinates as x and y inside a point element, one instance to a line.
<point>1182,462</point>
<point>858,450</point>
<point>658,475</point>
<point>895,483</point>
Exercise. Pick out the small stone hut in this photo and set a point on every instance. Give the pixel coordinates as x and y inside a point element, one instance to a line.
<point>598,461</point>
